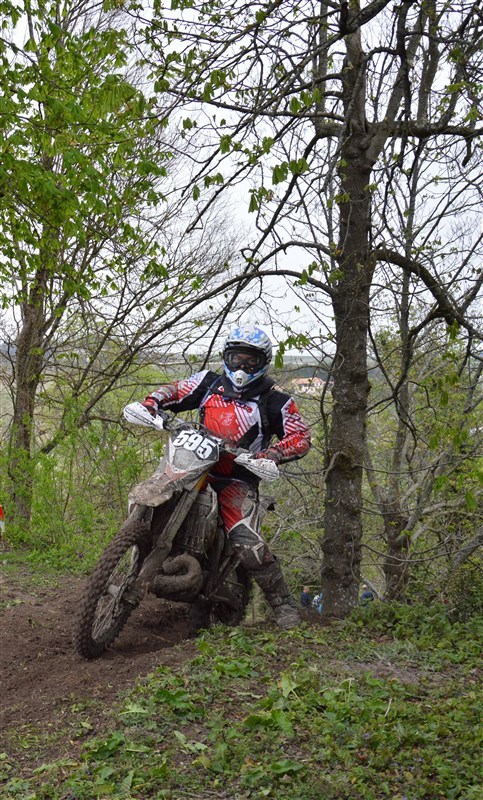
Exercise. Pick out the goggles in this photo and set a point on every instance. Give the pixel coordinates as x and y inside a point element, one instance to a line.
<point>248,362</point>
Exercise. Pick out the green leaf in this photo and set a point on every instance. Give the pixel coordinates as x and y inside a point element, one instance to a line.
<point>281,719</point>
<point>225,144</point>
<point>255,721</point>
<point>288,685</point>
<point>267,143</point>
<point>285,766</point>
<point>134,708</point>
<point>279,356</point>
<point>279,173</point>
<point>470,500</point>
<point>30,46</point>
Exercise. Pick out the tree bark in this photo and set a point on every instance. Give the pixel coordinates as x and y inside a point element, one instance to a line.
<point>396,562</point>
<point>28,366</point>
<point>342,521</point>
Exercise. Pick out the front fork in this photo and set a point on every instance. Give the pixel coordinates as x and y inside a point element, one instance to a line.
<point>163,542</point>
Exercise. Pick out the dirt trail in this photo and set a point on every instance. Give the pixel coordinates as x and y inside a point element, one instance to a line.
<point>44,683</point>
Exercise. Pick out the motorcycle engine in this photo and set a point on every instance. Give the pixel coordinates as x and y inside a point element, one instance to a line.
<point>199,528</point>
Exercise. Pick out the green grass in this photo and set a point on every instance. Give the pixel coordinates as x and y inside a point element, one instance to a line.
<point>384,705</point>
<point>57,560</point>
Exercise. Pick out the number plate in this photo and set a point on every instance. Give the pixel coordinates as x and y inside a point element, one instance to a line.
<point>196,443</point>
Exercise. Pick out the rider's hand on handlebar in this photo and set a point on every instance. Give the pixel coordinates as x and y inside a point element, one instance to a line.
<point>151,404</point>
<point>140,414</point>
<point>265,468</point>
<point>271,453</point>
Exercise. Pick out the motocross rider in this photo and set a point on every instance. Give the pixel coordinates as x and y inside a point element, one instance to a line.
<point>244,406</point>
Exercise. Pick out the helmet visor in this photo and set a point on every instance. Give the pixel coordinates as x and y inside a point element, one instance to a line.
<point>242,359</point>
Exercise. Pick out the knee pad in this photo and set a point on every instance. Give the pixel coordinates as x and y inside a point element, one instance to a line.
<point>249,546</point>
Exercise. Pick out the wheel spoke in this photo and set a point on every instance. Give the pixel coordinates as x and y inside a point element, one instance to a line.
<point>110,606</point>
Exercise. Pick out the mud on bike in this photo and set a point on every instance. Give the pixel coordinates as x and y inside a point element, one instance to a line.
<point>172,544</point>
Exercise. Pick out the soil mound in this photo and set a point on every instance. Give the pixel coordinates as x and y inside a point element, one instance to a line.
<point>43,681</point>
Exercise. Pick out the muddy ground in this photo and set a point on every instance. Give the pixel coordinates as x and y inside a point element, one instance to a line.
<point>49,695</point>
<point>52,700</point>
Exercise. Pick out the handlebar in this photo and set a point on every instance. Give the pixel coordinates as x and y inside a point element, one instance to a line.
<point>136,413</point>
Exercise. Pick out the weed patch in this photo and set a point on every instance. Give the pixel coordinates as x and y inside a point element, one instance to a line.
<point>262,713</point>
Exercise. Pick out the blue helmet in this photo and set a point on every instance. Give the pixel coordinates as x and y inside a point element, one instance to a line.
<point>247,353</point>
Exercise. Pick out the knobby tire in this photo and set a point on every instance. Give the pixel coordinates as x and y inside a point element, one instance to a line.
<point>134,534</point>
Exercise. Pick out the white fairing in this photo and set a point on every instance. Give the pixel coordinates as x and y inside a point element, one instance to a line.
<point>264,468</point>
<point>137,414</point>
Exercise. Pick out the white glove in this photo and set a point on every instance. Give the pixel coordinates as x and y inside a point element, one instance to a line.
<point>264,468</point>
<point>138,414</point>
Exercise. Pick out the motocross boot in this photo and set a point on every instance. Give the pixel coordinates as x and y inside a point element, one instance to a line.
<point>271,581</point>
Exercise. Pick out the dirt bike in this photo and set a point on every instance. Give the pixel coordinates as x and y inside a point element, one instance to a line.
<point>173,543</point>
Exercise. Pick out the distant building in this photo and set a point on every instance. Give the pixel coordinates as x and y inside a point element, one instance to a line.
<point>313,385</point>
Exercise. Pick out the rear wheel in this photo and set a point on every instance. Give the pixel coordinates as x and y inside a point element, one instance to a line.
<point>105,605</point>
<point>204,614</point>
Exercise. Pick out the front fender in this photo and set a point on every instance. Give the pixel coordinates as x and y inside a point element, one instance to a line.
<point>155,491</point>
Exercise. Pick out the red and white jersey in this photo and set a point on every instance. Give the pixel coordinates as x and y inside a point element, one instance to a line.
<point>249,419</point>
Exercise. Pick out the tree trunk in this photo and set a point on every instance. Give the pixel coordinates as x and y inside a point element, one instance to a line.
<point>396,562</point>
<point>28,366</point>
<point>343,527</point>
<point>342,521</point>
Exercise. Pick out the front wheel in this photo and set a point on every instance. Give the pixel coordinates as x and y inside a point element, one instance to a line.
<point>105,605</point>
